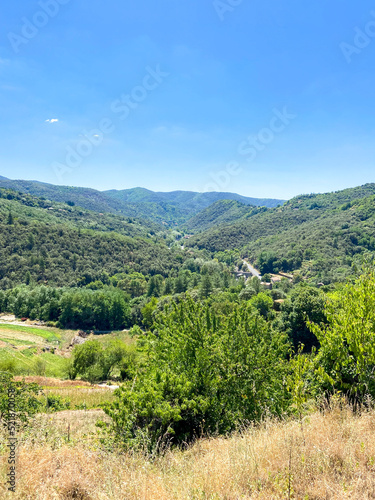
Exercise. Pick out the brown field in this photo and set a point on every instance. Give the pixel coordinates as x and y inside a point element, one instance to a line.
<point>335,460</point>
<point>53,382</point>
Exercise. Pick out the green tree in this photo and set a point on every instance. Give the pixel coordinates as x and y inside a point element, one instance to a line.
<point>347,343</point>
<point>203,374</point>
<point>148,312</point>
<point>304,304</point>
<point>206,286</point>
<point>86,355</point>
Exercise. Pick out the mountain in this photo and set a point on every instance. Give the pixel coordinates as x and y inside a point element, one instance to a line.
<point>190,200</point>
<point>63,245</point>
<point>219,213</point>
<point>24,207</point>
<point>3,178</point>
<point>170,209</point>
<point>321,235</point>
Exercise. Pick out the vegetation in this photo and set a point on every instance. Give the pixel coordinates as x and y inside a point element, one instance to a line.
<point>18,402</point>
<point>271,460</point>
<point>209,352</point>
<point>219,213</point>
<point>167,208</point>
<point>204,374</point>
<point>319,235</point>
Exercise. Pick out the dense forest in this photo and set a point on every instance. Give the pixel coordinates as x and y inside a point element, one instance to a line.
<point>318,235</point>
<point>169,209</point>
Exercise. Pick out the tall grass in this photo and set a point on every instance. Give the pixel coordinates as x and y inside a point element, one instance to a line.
<point>336,460</point>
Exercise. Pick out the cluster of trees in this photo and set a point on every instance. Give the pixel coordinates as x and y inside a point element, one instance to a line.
<point>204,372</point>
<point>104,309</point>
<point>63,256</point>
<point>221,212</point>
<point>94,362</point>
<point>207,371</point>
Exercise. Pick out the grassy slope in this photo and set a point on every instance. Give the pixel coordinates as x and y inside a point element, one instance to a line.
<point>24,346</point>
<point>335,461</point>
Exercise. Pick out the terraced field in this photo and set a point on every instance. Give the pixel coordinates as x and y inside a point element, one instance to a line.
<point>27,335</point>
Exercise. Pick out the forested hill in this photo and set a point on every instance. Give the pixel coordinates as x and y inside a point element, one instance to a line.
<point>321,235</point>
<point>169,209</point>
<point>64,245</point>
<point>25,206</point>
<point>221,212</point>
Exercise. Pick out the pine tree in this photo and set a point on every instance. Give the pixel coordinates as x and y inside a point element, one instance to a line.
<point>206,286</point>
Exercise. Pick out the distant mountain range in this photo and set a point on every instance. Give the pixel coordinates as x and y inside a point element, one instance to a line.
<point>170,209</point>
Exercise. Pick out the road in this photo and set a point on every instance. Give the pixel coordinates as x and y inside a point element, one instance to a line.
<point>252,270</point>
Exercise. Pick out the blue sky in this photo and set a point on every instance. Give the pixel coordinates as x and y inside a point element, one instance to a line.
<point>255,96</point>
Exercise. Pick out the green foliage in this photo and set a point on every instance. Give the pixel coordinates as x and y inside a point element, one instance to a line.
<point>263,303</point>
<point>86,355</point>
<point>304,304</point>
<point>203,374</point>
<point>105,309</point>
<point>166,208</point>
<point>148,312</point>
<point>54,403</point>
<point>25,397</point>
<point>311,233</point>
<point>347,351</point>
<point>69,247</point>
<point>220,212</point>
<point>95,363</point>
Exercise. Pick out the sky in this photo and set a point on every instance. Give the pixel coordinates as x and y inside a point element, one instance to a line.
<point>259,97</point>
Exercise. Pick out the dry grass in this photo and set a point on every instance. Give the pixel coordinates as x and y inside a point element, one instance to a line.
<point>53,382</point>
<point>92,397</point>
<point>267,462</point>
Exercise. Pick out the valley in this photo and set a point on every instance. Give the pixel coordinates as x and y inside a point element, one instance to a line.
<point>153,338</point>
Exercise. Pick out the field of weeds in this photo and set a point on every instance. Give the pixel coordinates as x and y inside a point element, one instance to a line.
<point>334,458</point>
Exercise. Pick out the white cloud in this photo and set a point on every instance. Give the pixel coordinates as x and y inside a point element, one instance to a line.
<point>52,120</point>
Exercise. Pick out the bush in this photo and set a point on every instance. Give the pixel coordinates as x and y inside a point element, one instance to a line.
<point>8,365</point>
<point>203,374</point>
<point>57,403</point>
<point>39,367</point>
<point>26,402</point>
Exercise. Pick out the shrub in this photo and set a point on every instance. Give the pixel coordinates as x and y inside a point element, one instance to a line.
<point>203,374</point>
<point>26,403</point>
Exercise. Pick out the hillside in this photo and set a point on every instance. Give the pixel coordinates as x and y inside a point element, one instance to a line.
<point>220,212</point>
<point>64,245</point>
<point>320,234</point>
<point>28,206</point>
<point>170,209</point>
<point>334,461</point>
